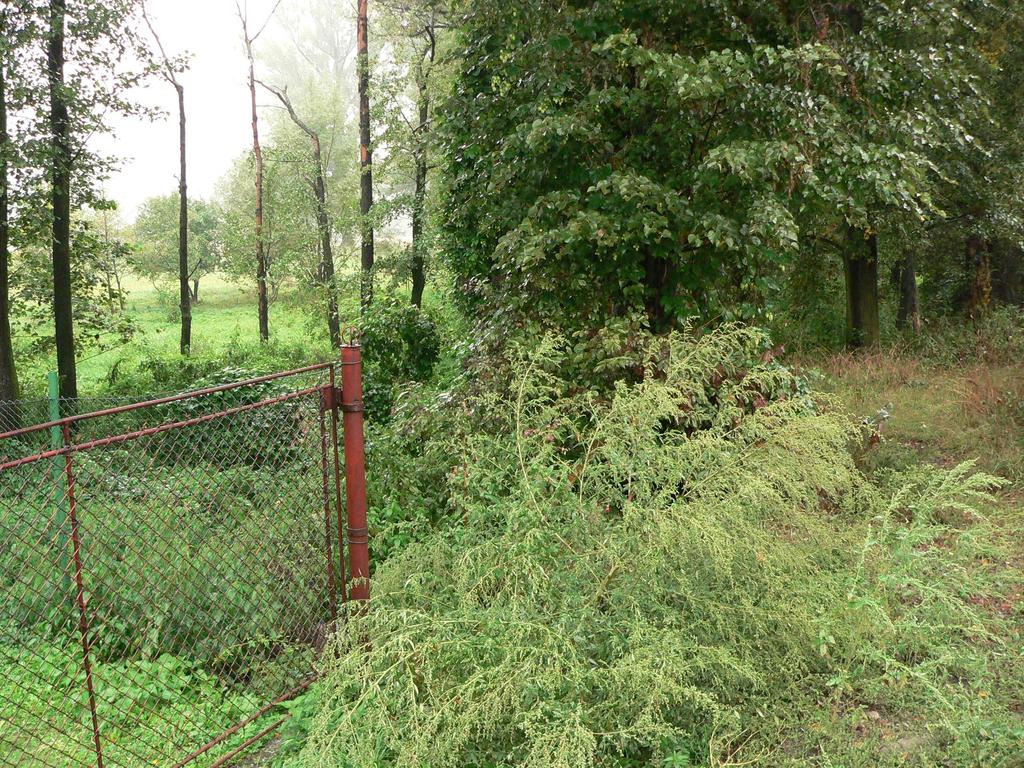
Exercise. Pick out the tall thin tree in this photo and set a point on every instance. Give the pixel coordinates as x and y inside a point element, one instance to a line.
<point>261,252</point>
<point>423,69</point>
<point>418,25</point>
<point>325,269</point>
<point>860,265</point>
<point>365,155</point>
<point>909,315</point>
<point>60,200</point>
<point>170,70</point>
<point>8,370</point>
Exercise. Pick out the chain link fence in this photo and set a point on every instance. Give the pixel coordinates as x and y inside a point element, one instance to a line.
<point>15,414</point>
<point>171,570</point>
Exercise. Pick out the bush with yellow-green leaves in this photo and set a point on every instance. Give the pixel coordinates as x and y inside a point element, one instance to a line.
<point>677,570</point>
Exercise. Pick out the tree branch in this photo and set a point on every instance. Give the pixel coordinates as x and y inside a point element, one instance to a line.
<point>282,95</point>
<point>169,74</point>
<point>265,23</point>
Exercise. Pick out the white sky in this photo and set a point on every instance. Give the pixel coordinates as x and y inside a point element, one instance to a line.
<point>216,104</point>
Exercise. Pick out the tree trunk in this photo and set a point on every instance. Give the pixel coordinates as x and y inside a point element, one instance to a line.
<point>195,290</point>
<point>108,281</point>
<point>64,332</point>
<point>863,327</point>
<point>325,270</point>
<point>109,264</point>
<point>261,256</point>
<point>9,415</point>
<point>184,295</point>
<point>419,272</point>
<point>1008,272</point>
<point>365,156</point>
<point>910,310</point>
<point>657,278</point>
<point>980,266</point>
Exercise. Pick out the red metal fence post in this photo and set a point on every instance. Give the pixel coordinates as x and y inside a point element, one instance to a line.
<point>83,611</point>
<point>355,469</point>
<point>328,543</point>
<point>339,509</point>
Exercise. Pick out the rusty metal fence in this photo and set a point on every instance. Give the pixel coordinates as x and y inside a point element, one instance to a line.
<point>171,570</point>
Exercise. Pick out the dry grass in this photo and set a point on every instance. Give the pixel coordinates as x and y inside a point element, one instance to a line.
<point>940,413</point>
<point>875,368</point>
<point>945,414</point>
<point>992,396</point>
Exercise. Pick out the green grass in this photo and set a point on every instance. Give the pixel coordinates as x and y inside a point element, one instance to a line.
<point>934,413</point>
<point>225,316</point>
<point>941,415</point>
<point>225,331</point>
<point>965,707</point>
<point>158,707</point>
<point>203,563</point>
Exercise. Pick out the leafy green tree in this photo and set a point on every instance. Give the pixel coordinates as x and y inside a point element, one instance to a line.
<point>289,229</point>
<point>17,30</point>
<point>170,69</point>
<point>156,234</point>
<point>114,252</point>
<point>406,85</point>
<point>250,34</point>
<point>973,250</point>
<point>366,258</point>
<point>937,89</point>
<point>96,39</point>
<point>312,76</point>
<point>325,269</point>
<point>309,227</point>
<point>664,159</point>
<point>96,295</point>
<point>915,88</point>
<point>73,68</point>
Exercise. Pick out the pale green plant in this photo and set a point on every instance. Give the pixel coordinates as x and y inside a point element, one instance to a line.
<point>649,576</point>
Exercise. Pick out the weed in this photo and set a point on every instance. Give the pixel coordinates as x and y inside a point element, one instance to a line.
<point>692,559</point>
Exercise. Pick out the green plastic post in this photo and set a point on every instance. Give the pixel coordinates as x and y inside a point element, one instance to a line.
<point>53,387</point>
<point>60,515</point>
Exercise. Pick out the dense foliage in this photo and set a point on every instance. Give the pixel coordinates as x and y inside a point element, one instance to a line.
<point>612,524</point>
<point>156,232</point>
<point>100,256</point>
<point>656,574</point>
<point>605,158</point>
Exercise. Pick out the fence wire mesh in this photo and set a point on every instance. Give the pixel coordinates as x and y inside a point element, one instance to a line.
<point>170,573</point>
<point>15,414</point>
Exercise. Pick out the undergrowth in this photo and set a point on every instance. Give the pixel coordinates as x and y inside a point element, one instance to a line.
<point>158,705</point>
<point>678,570</point>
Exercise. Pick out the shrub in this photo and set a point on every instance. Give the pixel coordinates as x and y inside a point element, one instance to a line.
<point>155,371</point>
<point>995,338</point>
<point>240,438</point>
<point>401,343</point>
<point>409,460</point>
<point>651,575</point>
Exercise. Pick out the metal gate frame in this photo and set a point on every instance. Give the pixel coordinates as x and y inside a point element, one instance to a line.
<point>349,527</point>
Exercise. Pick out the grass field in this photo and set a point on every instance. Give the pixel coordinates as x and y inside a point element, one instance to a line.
<point>943,415</point>
<point>923,413</point>
<point>224,318</point>
<point>937,413</point>
<point>225,315</point>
